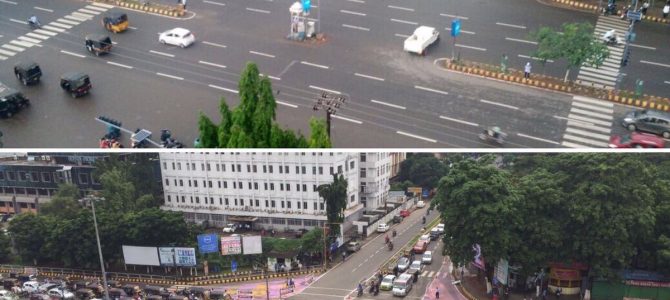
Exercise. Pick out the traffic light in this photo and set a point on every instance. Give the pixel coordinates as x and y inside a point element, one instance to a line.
<point>626,58</point>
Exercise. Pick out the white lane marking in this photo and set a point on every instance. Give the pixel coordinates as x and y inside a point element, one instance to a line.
<point>34,41</point>
<point>400,8</point>
<point>75,18</point>
<point>60,25</point>
<point>162,53</point>
<point>22,43</point>
<point>459,121</point>
<point>19,21</point>
<point>223,89</point>
<point>93,7</point>
<point>387,104</point>
<point>405,22</point>
<point>537,138</point>
<point>369,77</point>
<point>352,12</point>
<point>454,16</point>
<point>43,9</point>
<point>314,65</point>
<point>82,15</point>
<point>643,47</point>
<point>357,1</point>
<point>470,47</point>
<point>214,2</point>
<point>8,2</point>
<point>402,35</point>
<point>347,119</point>
<point>8,53</point>
<point>68,21</point>
<point>416,136</point>
<point>327,90</point>
<point>654,63</point>
<point>102,5</point>
<point>119,65</point>
<point>258,10</point>
<point>463,31</point>
<point>261,54</point>
<point>499,104</point>
<point>355,27</point>
<point>169,76</point>
<point>83,10</point>
<point>666,82</point>
<point>13,48</point>
<point>133,28</point>
<point>211,64</point>
<point>39,36</point>
<point>3,58</point>
<point>214,44</point>
<point>287,104</point>
<point>72,53</point>
<point>269,76</point>
<point>56,29</point>
<point>430,90</point>
<point>511,25</point>
<point>534,58</point>
<point>114,43</point>
<point>521,41</point>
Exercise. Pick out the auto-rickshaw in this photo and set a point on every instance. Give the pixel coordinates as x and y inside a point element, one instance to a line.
<point>98,43</point>
<point>113,284</point>
<point>131,289</point>
<point>84,294</point>
<point>154,290</point>
<point>116,293</point>
<point>75,83</point>
<point>115,22</point>
<point>155,297</point>
<point>96,288</point>
<point>11,101</point>
<point>27,72</point>
<point>217,295</point>
<point>8,283</point>
<point>200,292</point>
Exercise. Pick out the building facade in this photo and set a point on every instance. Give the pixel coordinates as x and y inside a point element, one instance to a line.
<point>396,159</point>
<point>375,172</point>
<point>275,190</point>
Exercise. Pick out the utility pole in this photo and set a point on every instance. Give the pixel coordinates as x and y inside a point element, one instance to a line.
<point>626,48</point>
<point>318,16</point>
<point>92,200</point>
<point>330,102</point>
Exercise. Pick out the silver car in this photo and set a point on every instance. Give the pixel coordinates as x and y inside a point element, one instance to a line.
<point>403,264</point>
<point>427,257</point>
<point>648,120</point>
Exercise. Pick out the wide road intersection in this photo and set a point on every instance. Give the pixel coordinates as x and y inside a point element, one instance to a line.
<point>394,99</point>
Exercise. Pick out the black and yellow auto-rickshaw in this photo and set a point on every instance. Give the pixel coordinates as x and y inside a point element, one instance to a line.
<point>154,290</point>
<point>84,294</point>
<point>217,295</point>
<point>131,289</point>
<point>8,283</point>
<point>200,292</point>
<point>115,22</point>
<point>27,72</point>
<point>117,293</point>
<point>98,43</point>
<point>113,284</point>
<point>75,83</point>
<point>11,101</point>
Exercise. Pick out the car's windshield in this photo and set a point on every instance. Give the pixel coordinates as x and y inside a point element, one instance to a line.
<point>399,284</point>
<point>387,280</point>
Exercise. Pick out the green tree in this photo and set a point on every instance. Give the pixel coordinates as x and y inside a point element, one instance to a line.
<point>576,44</point>
<point>64,204</point>
<point>422,169</point>
<point>335,197</point>
<point>208,132</point>
<point>5,248</point>
<point>226,123</point>
<point>312,241</point>
<point>319,137</point>
<point>30,233</point>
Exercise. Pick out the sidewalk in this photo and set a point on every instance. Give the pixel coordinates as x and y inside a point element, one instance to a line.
<point>277,287</point>
<point>474,284</point>
<point>443,283</point>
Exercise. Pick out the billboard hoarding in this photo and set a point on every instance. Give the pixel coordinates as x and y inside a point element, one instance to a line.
<point>166,255</point>
<point>231,245</point>
<point>143,256</point>
<point>208,243</point>
<point>252,244</point>
<point>185,257</point>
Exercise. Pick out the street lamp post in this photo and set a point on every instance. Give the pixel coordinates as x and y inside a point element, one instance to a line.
<point>92,200</point>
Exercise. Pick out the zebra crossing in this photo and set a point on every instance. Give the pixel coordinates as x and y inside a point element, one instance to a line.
<point>429,274</point>
<point>606,75</point>
<point>35,37</point>
<point>589,123</point>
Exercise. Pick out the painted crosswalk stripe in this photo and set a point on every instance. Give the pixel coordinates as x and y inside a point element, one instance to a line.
<point>583,119</point>
<point>424,273</point>
<point>82,15</point>
<point>60,25</point>
<point>607,110</point>
<point>93,7</point>
<point>76,18</point>
<point>49,33</point>
<point>39,36</point>
<point>102,5</point>
<point>7,53</point>
<point>22,43</point>
<point>66,21</point>
<point>3,58</point>
<point>27,39</point>
<point>591,114</point>
<point>56,29</point>
<point>583,141</point>
<point>13,48</point>
<point>83,10</point>
<point>588,126</point>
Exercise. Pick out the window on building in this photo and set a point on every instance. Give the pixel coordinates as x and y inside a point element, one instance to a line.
<point>220,199</point>
<point>239,168</point>
<point>266,203</point>
<point>288,187</point>
<point>270,168</point>
<point>282,204</point>
<point>254,168</point>
<point>181,182</point>
<point>195,183</point>
<point>304,187</point>
<point>191,199</point>
<point>255,185</point>
<point>249,184</point>
<point>320,170</point>
<point>225,184</point>
<point>248,168</point>
<point>339,169</point>
<point>331,171</point>
<point>363,157</point>
<point>188,167</point>
<point>209,183</point>
<point>227,203</point>
<point>183,199</point>
<point>218,168</point>
<point>281,170</point>
<point>202,166</point>
<point>197,199</point>
<point>313,170</point>
<point>314,205</point>
<point>219,183</point>
<point>208,167</point>
<point>23,176</point>
<point>304,169</point>
<point>288,204</point>
<point>299,204</point>
<point>169,198</point>
<point>46,176</point>
<point>321,206</point>
<point>83,178</point>
<point>257,203</point>
<point>314,187</point>
<point>167,182</point>
<point>304,205</point>
<point>193,166</point>
<point>272,203</point>
<point>272,186</point>
<point>239,185</point>
<point>173,166</point>
<point>297,187</point>
<point>223,167</point>
<point>265,186</point>
<point>235,201</point>
<point>232,167</point>
<point>265,169</point>
<point>363,173</point>
<point>234,185</point>
<point>352,198</point>
<point>179,166</point>
<point>281,186</point>
<point>297,169</point>
<point>351,165</point>
<point>286,169</point>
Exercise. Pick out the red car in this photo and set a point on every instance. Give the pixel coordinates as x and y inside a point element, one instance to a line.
<point>404,213</point>
<point>636,140</point>
<point>420,247</point>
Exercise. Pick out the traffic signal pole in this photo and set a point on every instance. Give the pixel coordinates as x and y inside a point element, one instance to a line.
<point>626,48</point>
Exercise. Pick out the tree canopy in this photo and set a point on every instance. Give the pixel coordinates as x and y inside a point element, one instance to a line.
<point>422,169</point>
<point>335,196</point>
<point>252,124</point>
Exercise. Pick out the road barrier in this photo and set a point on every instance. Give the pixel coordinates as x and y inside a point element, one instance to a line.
<point>595,9</point>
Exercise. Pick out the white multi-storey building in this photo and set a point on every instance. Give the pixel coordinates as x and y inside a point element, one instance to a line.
<point>267,189</point>
<point>375,171</point>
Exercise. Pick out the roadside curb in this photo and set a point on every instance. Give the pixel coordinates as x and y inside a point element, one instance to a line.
<point>462,289</point>
<point>166,10</point>
<point>653,102</point>
<point>594,8</point>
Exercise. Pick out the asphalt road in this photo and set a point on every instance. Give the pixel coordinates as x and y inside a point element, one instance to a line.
<point>341,280</point>
<point>394,99</point>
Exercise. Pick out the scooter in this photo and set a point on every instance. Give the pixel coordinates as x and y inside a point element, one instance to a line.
<point>612,39</point>
<point>390,246</point>
<point>34,25</point>
<point>490,135</point>
<point>610,9</point>
<point>167,141</point>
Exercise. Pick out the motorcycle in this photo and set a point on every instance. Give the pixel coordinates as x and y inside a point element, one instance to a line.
<point>423,220</point>
<point>611,38</point>
<point>167,141</point>
<point>360,290</point>
<point>390,246</point>
<point>394,233</point>
<point>34,23</point>
<point>610,9</point>
<point>493,134</point>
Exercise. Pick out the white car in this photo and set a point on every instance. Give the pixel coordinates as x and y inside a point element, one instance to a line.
<point>230,228</point>
<point>421,204</point>
<point>7,295</point>
<point>60,293</point>
<point>47,286</point>
<point>423,37</point>
<point>177,36</point>
<point>382,227</point>
<point>427,257</point>
<point>425,238</point>
<point>440,227</point>
<point>416,265</point>
<point>31,286</point>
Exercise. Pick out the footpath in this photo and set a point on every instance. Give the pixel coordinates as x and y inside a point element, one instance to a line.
<point>276,289</point>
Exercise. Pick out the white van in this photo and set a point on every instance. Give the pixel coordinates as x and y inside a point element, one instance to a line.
<point>402,285</point>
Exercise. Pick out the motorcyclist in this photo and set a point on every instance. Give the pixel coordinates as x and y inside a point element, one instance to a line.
<point>610,36</point>
<point>386,239</point>
<point>423,220</point>
<point>360,289</point>
<point>33,21</point>
<point>390,245</point>
<point>394,233</point>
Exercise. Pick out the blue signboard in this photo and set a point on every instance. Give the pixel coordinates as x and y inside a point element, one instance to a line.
<point>233,265</point>
<point>425,192</point>
<point>333,247</point>
<point>455,27</point>
<point>208,243</point>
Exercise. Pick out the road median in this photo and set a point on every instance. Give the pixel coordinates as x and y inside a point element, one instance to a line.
<point>147,6</point>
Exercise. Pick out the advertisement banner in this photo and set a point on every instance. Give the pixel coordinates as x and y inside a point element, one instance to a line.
<point>252,244</point>
<point>208,243</point>
<point>185,257</point>
<point>502,271</point>
<point>166,255</point>
<point>478,260</point>
<point>231,245</point>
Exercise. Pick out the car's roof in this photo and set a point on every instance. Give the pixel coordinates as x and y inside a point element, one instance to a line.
<point>428,252</point>
<point>389,276</point>
<point>73,75</point>
<point>179,30</point>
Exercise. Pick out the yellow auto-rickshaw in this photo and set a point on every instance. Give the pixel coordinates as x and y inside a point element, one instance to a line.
<point>115,22</point>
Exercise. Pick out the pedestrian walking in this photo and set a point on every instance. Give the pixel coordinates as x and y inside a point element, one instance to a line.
<point>526,71</point>
<point>666,10</point>
<point>558,293</point>
<point>644,8</point>
<point>344,256</point>
<point>437,293</point>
